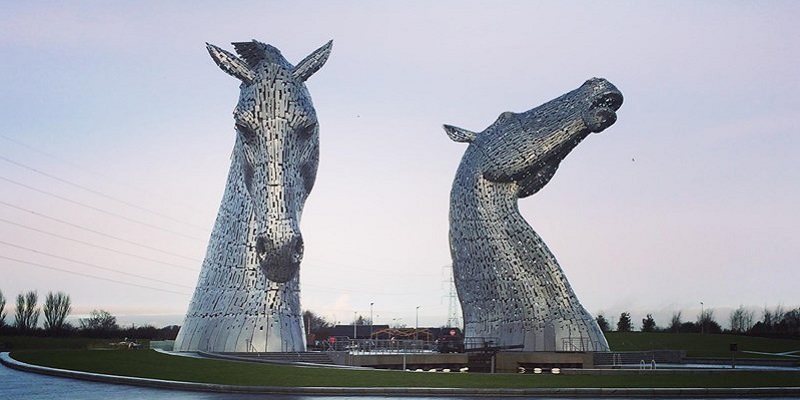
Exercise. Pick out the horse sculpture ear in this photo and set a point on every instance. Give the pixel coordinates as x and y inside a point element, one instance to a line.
<point>460,135</point>
<point>231,64</point>
<point>313,62</point>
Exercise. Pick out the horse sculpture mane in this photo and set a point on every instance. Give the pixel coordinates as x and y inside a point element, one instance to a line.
<point>247,296</point>
<point>511,288</point>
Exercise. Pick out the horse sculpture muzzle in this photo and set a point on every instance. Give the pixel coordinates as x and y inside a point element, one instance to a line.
<point>280,252</point>
<point>602,112</point>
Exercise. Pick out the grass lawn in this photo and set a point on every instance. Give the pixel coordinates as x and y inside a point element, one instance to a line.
<point>151,364</point>
<point>697,345</point>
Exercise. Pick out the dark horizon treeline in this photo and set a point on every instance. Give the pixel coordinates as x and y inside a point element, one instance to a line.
<point>774,323</point>
<point>56,309</point>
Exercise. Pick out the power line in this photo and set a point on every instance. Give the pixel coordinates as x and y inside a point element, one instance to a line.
<point>319,262</point>
<point>92,276</point>
<point>97,232</point>
<point>97,246</point>
<point>340,290</point>
<point>95,192</point>
<point>93,171</point>
<point>97,209</point>
<point>91,265</point>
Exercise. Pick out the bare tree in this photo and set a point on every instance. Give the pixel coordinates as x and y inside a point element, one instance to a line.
<point>362,320</point>
<point>315,322</point>
<point>707,323</point>
<point>773,318</point>
<point>56,308</point>
<point>791,322</point>
<point>741,319</point>
<point>675,322</point>
<point>27,315</point>
<point>2,310</point>
<point>99,321</point>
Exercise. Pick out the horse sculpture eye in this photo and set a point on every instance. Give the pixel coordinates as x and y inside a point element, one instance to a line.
<point>248,135</point>
<point>307,131</point>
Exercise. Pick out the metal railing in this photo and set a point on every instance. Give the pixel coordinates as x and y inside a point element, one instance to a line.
<point>356,346</point>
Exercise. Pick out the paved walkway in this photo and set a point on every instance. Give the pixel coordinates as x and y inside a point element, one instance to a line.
<point>419,392</point>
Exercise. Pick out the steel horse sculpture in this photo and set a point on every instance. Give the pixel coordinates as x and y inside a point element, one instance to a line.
<point>511,288</point>
<point>247,297</point>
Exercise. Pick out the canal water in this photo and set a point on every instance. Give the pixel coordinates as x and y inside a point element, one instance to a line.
<point>30,386</point>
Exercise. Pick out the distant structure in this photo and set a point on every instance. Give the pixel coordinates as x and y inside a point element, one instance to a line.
<point>247,295</point>
<point>511,288</point>
<point>453,319</point>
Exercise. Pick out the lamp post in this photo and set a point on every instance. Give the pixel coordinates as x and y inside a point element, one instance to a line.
<point>702,319</point>
<point>355,335</point>
<point>416,324</point>
<point>371,323</point>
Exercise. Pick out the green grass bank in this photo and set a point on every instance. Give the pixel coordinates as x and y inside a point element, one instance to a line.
<point>151,364</point>
<point>75,354</point>
<point>700,345</point>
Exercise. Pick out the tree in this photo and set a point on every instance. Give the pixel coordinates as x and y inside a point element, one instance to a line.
<point>706,322</point>
<point>99,321</point>
<point>603,323</point>
<point>314,322</point>
<point>361,320</point>
<point>790,324</point>
<point>675,322</point>
<point>689,327</point>
<point>778,323</point>
<point>772,319</point>
<point>624,324</point>
<point>741,320</point>
<point>2,310</point>
<point>26,316</point>
<point>648,324</point>
<point>56,308</point>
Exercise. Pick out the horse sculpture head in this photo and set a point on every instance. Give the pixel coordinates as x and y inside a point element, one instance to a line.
<point>527,147</point>
<point>277,145</point>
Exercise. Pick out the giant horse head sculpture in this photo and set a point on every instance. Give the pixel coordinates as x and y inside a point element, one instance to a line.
<point>509,283</point>
<point>278,138</point>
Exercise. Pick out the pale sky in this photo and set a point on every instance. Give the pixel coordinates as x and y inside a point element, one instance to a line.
<point>116,132</point>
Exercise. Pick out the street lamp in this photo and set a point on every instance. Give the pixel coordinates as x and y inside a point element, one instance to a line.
<point>416,324</point>
<point>371,323</point>
<point>355,336</point>
<point>702,319</point>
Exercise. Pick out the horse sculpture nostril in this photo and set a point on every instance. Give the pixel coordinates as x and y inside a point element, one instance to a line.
<point>261,245</point>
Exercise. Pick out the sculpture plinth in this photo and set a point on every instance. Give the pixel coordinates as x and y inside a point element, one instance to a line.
<point>511,288</point>
<point>247,296</point>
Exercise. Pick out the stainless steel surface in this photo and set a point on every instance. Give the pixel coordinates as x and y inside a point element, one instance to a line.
<point>247,296</point>
<point>511,288</point>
